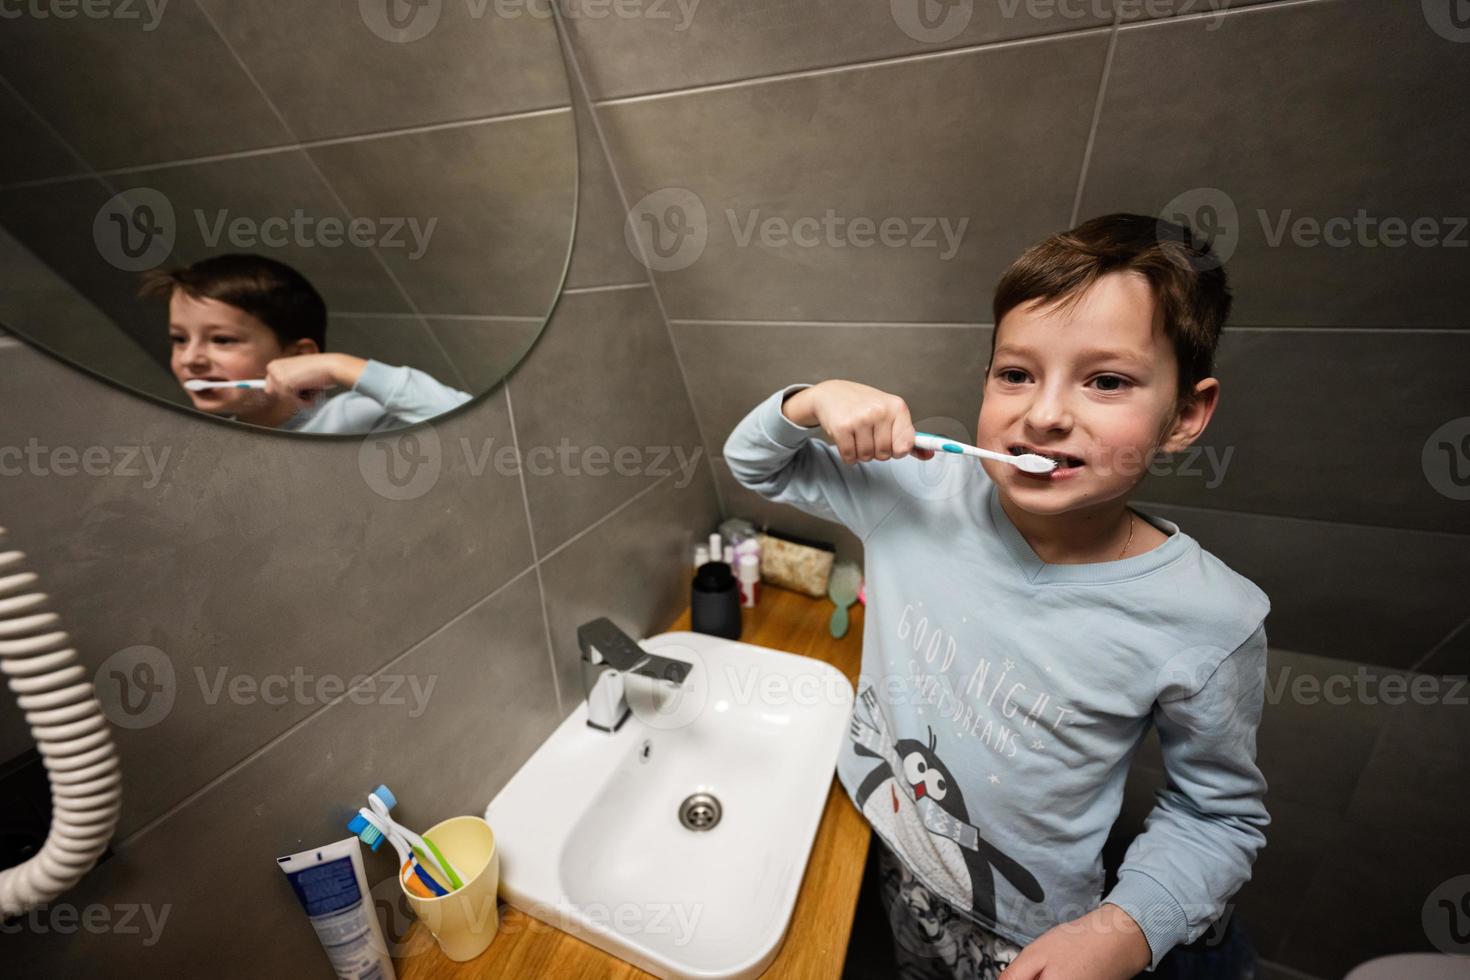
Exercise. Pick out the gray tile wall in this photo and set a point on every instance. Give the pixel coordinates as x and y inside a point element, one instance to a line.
<point>1367,792</point>
<point>1321,476</point>
<point>254,556</point>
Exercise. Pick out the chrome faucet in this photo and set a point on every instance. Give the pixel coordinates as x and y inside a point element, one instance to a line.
<point>607,655</point>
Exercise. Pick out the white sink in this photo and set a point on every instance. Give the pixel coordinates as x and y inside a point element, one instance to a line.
<point>589,829</point>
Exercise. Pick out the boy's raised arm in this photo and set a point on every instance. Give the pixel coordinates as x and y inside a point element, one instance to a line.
<point>1204,832</point>
<point>785,462</point>
<point>406,393</point>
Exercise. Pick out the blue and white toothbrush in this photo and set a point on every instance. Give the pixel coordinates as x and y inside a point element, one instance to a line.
<point>1029,462</point>
<point>371,831</point>
<point>199,384</point>
<point>380,801</point>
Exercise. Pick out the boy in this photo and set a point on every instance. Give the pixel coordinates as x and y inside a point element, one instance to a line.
<point>1023,631</point>
<point>241,317</point>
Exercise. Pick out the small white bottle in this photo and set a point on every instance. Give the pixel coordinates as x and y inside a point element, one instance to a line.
<point>701,556</point>
<point>749,576</point>
<point>748,546</point>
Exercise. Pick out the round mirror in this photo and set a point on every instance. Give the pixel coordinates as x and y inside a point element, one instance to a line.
<point>317,218</point>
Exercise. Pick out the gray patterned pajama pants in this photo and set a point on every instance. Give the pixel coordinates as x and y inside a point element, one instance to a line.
<point>931,939</point>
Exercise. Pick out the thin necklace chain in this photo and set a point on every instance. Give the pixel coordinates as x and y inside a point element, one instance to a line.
<point>1130,537</point>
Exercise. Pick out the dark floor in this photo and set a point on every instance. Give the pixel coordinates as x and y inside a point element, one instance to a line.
<point>870,950</point>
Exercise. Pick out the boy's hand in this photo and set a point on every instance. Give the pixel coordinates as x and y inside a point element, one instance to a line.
<point>1104,944</point>
<point>862,422</point>
<point>299,379</point>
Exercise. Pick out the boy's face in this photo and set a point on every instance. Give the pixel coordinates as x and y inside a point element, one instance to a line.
<point>214,341</point>
<point>1094,382</point>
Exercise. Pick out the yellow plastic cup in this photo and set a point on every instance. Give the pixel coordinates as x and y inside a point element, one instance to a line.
<point>467,919</point>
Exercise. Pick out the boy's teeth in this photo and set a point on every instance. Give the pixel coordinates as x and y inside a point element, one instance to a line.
<point>1060,460</point>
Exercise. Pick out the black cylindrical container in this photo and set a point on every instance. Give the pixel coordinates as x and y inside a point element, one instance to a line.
<point>714,605</point>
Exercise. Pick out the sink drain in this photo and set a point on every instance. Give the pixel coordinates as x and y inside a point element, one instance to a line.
<point>700,812</point>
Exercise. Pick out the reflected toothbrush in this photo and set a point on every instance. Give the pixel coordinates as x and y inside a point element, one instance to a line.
<point>1029,462</point>
<point>199,384</point>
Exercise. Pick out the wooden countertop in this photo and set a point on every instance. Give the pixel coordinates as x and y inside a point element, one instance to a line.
<point>816,942</point>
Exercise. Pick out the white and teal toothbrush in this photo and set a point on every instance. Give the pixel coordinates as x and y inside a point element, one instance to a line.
<point>370,829</point>
<point>1029,462</point>
<point>382,800</point>
<point>199,384</point>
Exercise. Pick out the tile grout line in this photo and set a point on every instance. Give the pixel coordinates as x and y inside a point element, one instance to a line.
<point>374,251</point>
<point>1097,108</point>
<point>1143,24</point>
<point>540,584</point>
<point>1117,25</point>
<point>605,517</point>
<point>575,69</point>
<point>1329,328</point>
<point>611,287</point>
<point>948,324</point>
<point>259,151</point>
<point>271,743</point>
<point>545,613</point>
<point>1292,920</point>
<point>87,169</point>
<point>1291,971</point>
<point>820,324</point>
<point>901,59</point>
<point>348,314</point>
<point>515,439</point>
<point>89,172</point>
<point>433,127</point>
<point>1344,815</point>
<point>1444,642</point>
<point>1297,517</point>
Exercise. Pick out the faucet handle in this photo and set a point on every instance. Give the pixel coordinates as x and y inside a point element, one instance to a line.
<point>662,669</point>
<point>602,642</point>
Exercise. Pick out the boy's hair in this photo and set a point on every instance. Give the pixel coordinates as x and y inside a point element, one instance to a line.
<point>272,292</point>
<point>1186,277</point>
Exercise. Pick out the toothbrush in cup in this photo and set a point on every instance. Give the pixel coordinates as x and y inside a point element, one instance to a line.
<point>1028,462</point>
<point>371,831</point>
<point>380,801</point>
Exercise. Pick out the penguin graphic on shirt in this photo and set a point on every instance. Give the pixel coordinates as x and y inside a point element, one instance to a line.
<point>891,802</point>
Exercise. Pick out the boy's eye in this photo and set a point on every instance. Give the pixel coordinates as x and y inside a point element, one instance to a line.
<point>1011,375</point>
<point>1111,382</point>
<point>224,340</point>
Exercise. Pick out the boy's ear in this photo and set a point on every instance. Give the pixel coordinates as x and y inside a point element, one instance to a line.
<point>1192,417</point>
<point>298,347</point>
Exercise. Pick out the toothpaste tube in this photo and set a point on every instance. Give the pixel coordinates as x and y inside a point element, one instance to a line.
<point>332,887</point>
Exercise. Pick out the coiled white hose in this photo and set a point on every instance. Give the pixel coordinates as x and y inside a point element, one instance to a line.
<point>72,734</point>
